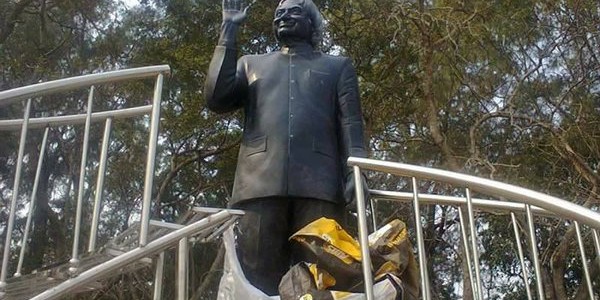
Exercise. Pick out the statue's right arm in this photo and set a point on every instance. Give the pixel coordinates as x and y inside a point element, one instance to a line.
<point>225,85</point>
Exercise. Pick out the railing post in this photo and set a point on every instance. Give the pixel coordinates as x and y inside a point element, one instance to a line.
<point>474,243</point>
<point>149,178</point>
<point>100,185</point>
<point>158,276</point>
<point>373,212</point>
<point>534,253</point>
<point>597,244</point>
<point>32,204</point>
<point>182,269</point>
<point>78,215</point>
<point>584,263</point>
<point>521,256</point>
<point>426,293</point>
<point>363,233</point>
<point>13,203</point>
<point>465,240</point>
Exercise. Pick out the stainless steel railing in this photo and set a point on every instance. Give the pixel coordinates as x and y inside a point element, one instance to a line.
<point>77,83</point>
<point>154,247</point>
<point>518,200</point>
<point>204,224</point>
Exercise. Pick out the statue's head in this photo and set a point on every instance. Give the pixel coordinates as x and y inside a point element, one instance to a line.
<point>298,20</point>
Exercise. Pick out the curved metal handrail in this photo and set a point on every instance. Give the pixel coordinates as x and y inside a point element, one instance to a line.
<point>152,248</point>
<point>45,88</point>
<point>487,205</point>
<point>514,199</point>
<point>490,187</point>
<point>89,82</point>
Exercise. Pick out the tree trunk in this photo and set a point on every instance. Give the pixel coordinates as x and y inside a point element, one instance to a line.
<point>547,280</point>
<point>435,128</point>
<point>211,274</point>
<point>557,264</point>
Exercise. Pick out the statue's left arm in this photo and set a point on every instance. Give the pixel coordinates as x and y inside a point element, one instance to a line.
<point>350,120</point>
<point>351,139</point>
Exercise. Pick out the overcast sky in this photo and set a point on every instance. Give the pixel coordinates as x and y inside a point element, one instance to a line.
<point>131,3</point>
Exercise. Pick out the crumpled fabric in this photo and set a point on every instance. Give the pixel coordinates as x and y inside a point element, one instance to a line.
<point>339,254</point>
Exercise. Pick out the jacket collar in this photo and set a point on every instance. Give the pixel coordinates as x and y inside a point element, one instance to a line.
<point>298,49</point>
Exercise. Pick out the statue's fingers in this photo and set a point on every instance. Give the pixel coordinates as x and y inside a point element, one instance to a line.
<point>232,5</point>
<point>249,6</point>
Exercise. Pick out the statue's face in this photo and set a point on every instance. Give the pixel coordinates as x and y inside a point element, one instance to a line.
<point>291,22</point>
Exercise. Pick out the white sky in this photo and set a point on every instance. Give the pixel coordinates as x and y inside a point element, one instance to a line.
<point>131,3</point>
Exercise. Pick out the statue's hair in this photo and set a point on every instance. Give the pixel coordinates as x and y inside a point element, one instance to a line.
<point>316,20</point>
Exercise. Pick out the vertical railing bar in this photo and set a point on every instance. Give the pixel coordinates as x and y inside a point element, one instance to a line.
<point>182,269</point>
<point>15,195</point>
<point>374,212</point>
<point>596,244</point>
<point>584,263</point>
<point>100,185</point>
<point>521,255</point>
<point>158,276</point>
<point>86,136</point>
<point>426,293</point>
<point>465,239</point>
<point>36,182</point>
<point>474,247</point>
<point>363,233</point>
<point>534,252</point>
<point>149,177</point>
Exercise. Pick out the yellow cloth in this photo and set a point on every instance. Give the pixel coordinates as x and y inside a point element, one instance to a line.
<point>331,232</point>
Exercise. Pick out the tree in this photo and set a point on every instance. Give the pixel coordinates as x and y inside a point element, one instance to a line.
<point>507,91</point>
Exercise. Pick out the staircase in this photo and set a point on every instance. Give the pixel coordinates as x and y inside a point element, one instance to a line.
<point>471,202</point>
<point>139,246</point>
<point>122,255</point>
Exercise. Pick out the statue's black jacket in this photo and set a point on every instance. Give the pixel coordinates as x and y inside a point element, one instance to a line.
<point>302,120</point>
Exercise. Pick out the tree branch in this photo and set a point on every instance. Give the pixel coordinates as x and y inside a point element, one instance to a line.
<point>8,26</point>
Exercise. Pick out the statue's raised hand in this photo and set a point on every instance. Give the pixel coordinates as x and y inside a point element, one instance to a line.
<point>235,11</point>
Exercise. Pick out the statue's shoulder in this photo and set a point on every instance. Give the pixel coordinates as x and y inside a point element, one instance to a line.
<point>257,57</point>
<point>336,60</point>
<point>335,57</point>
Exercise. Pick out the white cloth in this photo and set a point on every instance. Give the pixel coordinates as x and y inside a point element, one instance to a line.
<point>234,284</point>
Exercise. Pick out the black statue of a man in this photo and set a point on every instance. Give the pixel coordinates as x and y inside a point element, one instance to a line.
<point>302,121</point>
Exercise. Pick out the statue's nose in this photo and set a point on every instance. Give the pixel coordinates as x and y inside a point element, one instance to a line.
<point>283,16</point>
